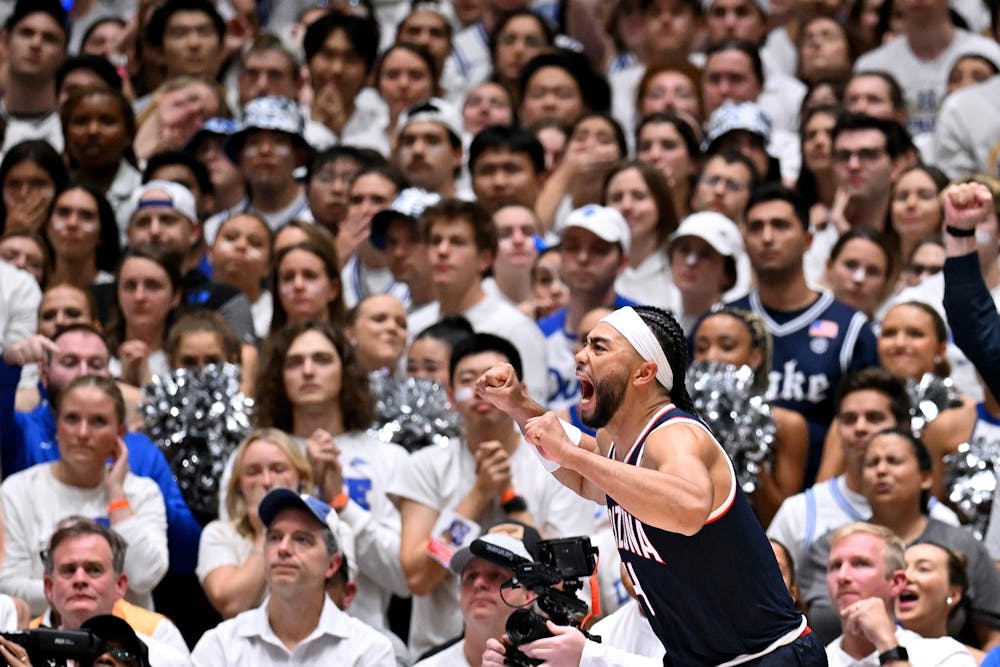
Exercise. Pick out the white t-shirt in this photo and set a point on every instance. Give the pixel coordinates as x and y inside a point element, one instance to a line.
<point>924,652</point>
<point>338,639</point>
<point>627,639</point>
<point>34,501</point>
<point>650,283</point>
<point>924,82</point>
<point>453,656</point>
<point>439,478</point>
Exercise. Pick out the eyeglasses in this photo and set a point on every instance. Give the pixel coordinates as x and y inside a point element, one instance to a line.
<point>864,155</point>
<point>712,181</point>
<point>921,269</point>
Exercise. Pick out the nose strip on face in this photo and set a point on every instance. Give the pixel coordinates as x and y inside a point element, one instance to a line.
<point>691,259</point>
<point>858,276</point>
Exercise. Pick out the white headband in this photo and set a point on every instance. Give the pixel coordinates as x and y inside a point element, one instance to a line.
<point>628,323</point>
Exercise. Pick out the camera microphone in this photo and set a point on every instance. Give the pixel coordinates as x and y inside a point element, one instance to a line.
<point>496,554</point>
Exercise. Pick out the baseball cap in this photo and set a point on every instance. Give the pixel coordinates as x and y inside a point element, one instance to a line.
<point>113,630</point>
<point>284,498</point>
<point>277,114</point>
<point>713,228</point>
<point>603,221</point>
<point>172,195</point>
<point>506,544</point>
<point>408,205</point>
<point>732,116</point>
<point>433,110</point>
<point>213,127</point>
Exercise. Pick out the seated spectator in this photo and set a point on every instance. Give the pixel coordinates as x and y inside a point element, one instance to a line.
<point>231,554</point>
<point>489,477</point>
<point>865,576</point>
<point>896,483</point>
<point>89,426</point>
<point>376,328</point>
<point>430,351</point>
<point>936,586</point>
<point>85,577</point>
<point>299,623</point>
<point>31,174</point>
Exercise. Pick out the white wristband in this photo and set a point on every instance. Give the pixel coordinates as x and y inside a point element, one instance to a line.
<point>572,432</point>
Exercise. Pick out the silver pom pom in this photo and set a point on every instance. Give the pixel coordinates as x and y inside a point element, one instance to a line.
<point>971,479</point>
<point>929,397</point>
<point>197,418</point>
<point>414,412</point>
<point>738,415</point>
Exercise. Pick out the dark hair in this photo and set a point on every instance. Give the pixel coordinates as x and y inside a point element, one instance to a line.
<point>733,156</point>
<point>975,56</point>
<point>788,558</point>
<point>693,5</point>
<point>806,182</point>
<point>484,230</point>
<point>775,192</point>
<point>616,129</point>
<point>25,8</point>
<point>92,28</point>
<point>671,338</point>
<point>386,171</point>
<point>478,343</point>
<point>891,130</point>
<point>760,337</point>
<point>41,153</point>
<point>76,526</point>
<point>157,26</point>
<point>449,329</point>
<point>513,138</point>
<point>683,128</point>
<point>878,379</point>
<point>198,321</point>
<point>958,570</point>
<point>920,452</point>
<point>659,190</point>
<point>939,178</point>
<point>273,407</point>
<point>432,107</point>
<point>183,159</point>
<point>96,64</point>
<point>327,254</point>
<point>167,260</point>
<point>421,53</point>
<point>109,249</point>
<point>360,155</point>
<point>896,96</point>
<point>941,367</point>
<point>746,48</point>
<point>889,248</point>
<point>548,33</point>
<point>594,89</point>
<point>362,33</point>
<point>124,108</point>
<point>80,326</point>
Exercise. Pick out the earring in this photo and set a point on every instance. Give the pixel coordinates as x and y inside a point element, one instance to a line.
<point>949,600</point>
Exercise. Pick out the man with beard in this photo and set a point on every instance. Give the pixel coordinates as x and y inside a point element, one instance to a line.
<point>702,569</point>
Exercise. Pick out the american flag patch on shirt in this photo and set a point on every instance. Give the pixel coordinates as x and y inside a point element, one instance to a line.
<point>824,329</point>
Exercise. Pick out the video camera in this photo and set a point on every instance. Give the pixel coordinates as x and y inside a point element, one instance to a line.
<point>46,646</point>
<point>567,561</point>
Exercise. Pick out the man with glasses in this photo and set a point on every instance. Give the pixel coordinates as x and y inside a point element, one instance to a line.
<point>725,183</point>
<point>817,339</point>
<point>866,152</point>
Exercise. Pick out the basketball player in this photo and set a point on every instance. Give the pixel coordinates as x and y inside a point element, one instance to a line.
<point>701,566</point>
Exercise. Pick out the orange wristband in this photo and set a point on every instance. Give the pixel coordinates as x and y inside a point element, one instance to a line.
<point>508,496</point>
<point>120,504</point>
<point>340,501</point>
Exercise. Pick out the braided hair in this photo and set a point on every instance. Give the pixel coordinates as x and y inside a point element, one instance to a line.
<point>670,336</point>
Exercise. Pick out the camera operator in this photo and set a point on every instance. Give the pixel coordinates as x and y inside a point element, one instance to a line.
<point>485,608</point>
<point>627,640</point>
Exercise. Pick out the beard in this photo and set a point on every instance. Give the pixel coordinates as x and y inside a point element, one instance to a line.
<point>609,394</point>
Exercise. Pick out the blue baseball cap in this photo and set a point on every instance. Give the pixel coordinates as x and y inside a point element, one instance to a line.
<point>284,498</point>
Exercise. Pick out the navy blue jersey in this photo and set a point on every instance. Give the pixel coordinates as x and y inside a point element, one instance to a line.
<point>813,349</point>
<point>714,596</point>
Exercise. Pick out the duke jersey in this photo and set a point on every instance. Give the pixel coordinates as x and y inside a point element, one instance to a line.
<point>812,350</point>
<point>713,598</point>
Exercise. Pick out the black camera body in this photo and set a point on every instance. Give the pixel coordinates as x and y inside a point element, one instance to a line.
<point>567,561</point>
<point>49,646</point>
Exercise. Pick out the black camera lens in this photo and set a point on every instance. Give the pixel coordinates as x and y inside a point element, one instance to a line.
<point>525,626</point>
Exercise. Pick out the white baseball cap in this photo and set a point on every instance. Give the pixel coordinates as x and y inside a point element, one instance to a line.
<point>714,229</point>
<point>433,110</point>
<point>602,221</point>
<point>173,195</point>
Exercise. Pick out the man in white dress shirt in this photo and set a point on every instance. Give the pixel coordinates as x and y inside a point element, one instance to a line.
<point>298,624</point>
